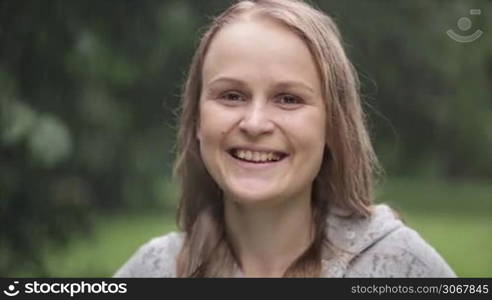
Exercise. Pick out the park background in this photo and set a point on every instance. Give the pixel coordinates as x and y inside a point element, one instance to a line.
<point>88,99</point>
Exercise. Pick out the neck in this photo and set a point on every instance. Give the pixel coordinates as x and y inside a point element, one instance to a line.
<point>268,238</point>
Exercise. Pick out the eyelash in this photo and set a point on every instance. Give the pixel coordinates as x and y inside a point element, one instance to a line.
<point>225,96</point>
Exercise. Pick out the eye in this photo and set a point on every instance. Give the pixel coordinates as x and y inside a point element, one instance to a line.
<point>232,96</point>
<point>289,99</point>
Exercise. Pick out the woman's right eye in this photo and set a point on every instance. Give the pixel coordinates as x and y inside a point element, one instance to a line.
<point>231,96</point>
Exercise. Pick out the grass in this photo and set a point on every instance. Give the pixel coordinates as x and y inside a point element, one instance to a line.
<point>456,219</point>
<point>463,241</point>
<point>438,197</point>
<point>114,240</point>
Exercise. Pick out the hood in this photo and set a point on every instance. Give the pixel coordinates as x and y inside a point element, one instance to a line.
<point>351,236</point>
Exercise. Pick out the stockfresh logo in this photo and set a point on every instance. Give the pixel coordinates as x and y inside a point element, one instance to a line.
<point>464,25</point>
<point>12,290</point>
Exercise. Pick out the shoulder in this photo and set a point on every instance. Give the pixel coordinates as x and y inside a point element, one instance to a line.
<point>156,258</point>
<point>403,253</point>
<point>354,234</point>
<point>383,246</point>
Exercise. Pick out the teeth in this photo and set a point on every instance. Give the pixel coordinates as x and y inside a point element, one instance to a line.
<point>256,156</point>
<point>248,155</point>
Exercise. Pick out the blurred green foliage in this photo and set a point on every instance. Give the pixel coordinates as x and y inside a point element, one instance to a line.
<point>89,89</point>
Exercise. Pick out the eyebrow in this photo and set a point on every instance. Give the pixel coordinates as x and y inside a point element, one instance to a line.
<point>282,84</point>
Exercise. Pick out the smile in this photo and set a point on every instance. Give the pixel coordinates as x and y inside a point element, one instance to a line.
<point>257,156</point>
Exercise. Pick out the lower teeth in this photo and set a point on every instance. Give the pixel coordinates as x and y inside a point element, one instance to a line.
<point>253,161</point>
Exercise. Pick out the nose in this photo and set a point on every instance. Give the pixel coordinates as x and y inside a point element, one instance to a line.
<point>256,121</point>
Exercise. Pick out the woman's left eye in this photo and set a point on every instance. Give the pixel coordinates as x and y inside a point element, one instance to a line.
<point>289,99</point>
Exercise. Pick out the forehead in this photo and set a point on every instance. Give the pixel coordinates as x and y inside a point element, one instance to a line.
<point>259,48</point>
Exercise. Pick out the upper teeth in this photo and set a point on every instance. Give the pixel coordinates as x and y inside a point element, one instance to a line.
<point>257,155</point>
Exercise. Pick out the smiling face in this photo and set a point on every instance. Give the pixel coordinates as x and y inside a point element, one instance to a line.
<point>262,118</point>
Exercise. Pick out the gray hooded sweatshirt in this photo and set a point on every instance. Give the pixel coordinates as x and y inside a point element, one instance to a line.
<point>377,246</point>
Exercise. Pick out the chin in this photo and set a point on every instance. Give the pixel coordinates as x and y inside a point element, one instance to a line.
<point>251,196</point>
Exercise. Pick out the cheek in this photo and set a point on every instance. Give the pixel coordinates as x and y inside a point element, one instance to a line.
<point>214,124</point>
<point>312,143</point>
<point>308,131</point>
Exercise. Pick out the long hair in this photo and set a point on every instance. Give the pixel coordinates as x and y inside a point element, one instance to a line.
<point>345,179</point>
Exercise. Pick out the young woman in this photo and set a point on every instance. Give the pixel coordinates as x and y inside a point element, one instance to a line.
<point>275,162</point>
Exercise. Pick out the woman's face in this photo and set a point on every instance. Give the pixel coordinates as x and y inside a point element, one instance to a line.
<point>262,117</point>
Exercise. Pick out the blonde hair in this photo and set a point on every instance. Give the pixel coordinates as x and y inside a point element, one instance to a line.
<point>345,179</point>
